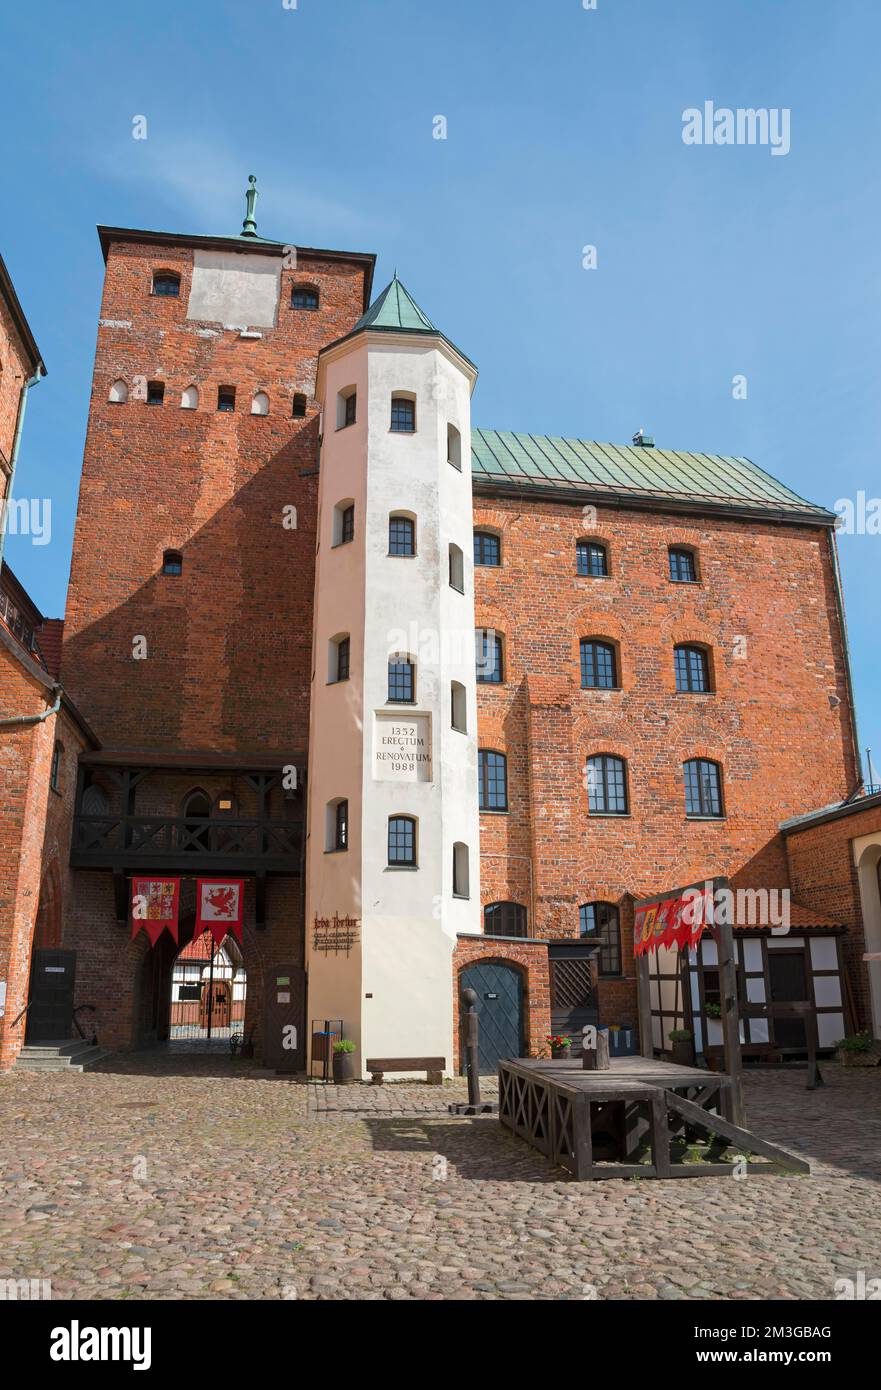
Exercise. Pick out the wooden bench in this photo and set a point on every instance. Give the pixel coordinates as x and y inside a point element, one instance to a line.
<point>434,1067</point>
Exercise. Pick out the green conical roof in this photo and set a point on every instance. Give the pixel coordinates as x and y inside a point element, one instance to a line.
<point>395,308</point>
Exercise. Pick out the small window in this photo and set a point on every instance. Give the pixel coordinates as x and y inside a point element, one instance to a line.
<point>401,535</point>
<point>189,398</point>
<point>454,447</point>
<point>226,399</point>
<point>504,919</point>
<point>172,562</point>
<point>487,548</point>
<point>304,297</point>
<point>692,669</point>
<point>260,404</point>
<point>591,560</point>
<point>461,875</point>
<point>401,681</point>
<point>403,415</point>
<point>488,655</point>
<point>683,566</point>
<point>338,659</point>
<point>298,410</point>
<point>55,772</point>
<point>703,789</point>
<point>155,392</point>
<point>598,666</point>
<point>600,922</point>
<point>343,522</point>
<point>458,707</point>
<point>492,780</point>
<point>401,842</point>
<point>457,569</point>
<point>607,785</point>
<point>118,393</point>
<point>166,284</point>
<point>346,407</point>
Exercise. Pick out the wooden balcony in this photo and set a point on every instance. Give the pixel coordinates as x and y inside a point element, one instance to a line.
<point>171,844</point>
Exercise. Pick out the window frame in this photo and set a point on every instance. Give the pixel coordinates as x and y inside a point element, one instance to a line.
<point>151,397</point>
<point>609,650</point>
<point>226,400</point>
<point>481,535</point>
<point>410,682</point>
<point>55,767</point>
<point>689,650</point>
<point>702,814</point>
<point>605,759</point>
<point>306,290</point>
<point>608,948</point>
<point>585,547</point>
<point>168,276</point>
<point>170,559</point>
<point>505,909</point>
<point>499,657</point>
<point>401,399</point>
<point>407,525</point>
<point>678,552</point>
<point>341,826</point>
<point>402,819</point>
<point>488,780</point>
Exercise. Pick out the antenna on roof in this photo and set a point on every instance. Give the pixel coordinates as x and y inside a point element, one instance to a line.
<point>872,784</point>
<point>249,226</point>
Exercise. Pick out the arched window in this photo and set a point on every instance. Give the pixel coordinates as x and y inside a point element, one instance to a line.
<point>338,658</point>
<point>304,297</point>
<point>403,413</point>
<point>703,789</point>
<point>172,562</point>
<point>692,668</point>
<point>492,780</point>
<point>344,522</point>
<point>598,665</point>
<point>401,535</point>
<point>600,922</point>
<point>607,785</point>
<point>95,801</point>
<point>487,548</point>
<point>298,410</point>
<point>454,447</point>
<point>337,825</point>
<point>401,681</point>
<point>346,407</point>
<point>461,875</point>
<point>458,707</point>
<point>489,656</point>
<point>55,772</point>
<point>166,284</point>
<point>457,569</point>
<point>402,842</point>
<point>189,398</point>
<point>504,919</point>
<point>683,565</point>
<point>118,392</point>
<point>196,833</point>
<point>591,559</point>
<point>260,403</point>
<point>155,392</point>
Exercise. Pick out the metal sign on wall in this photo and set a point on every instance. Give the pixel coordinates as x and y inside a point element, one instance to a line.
<point>335,934</point>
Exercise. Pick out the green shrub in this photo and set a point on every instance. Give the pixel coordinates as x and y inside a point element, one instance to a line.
<point>344,1045</point>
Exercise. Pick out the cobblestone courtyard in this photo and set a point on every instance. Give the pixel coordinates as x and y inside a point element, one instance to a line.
<point>159,1177</point>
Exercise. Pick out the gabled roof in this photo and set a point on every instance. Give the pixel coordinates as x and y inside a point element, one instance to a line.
<point>396,308</point>
<point>619,473</point>
<point>7,291</point>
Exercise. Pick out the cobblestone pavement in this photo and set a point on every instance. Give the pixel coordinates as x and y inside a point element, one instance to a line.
<point>189,1177</point>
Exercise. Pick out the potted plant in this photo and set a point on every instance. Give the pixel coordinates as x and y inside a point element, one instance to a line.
<point>560,1046</point>
<point>713,1010</point>
<point>344,1062</point>
<point>683,1047</point>
<point>856,1051</point>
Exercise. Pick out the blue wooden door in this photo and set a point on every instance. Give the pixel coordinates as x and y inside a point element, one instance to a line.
<point>499,990</point>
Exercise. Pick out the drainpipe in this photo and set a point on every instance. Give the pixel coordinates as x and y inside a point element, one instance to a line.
<point>16,446</point>
<point>848,669</point>
<point>21,720</point>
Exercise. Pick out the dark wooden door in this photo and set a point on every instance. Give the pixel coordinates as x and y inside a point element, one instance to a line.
<point>499,990</point>
<point>50,1016</point>
<point>284,1018</point>
<point>788,985</point>
<point>573,971</point>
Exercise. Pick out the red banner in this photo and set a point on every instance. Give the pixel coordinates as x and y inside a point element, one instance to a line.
<point>155,906</point>
<point>677,920</point>
<point>220,904</point>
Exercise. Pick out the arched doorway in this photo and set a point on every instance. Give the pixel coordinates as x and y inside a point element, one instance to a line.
<point>208,988</point>
<point>499,989</point>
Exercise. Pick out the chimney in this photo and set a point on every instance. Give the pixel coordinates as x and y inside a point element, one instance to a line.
<point>643,441</point>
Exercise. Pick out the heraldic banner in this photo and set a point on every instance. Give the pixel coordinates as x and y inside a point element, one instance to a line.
<point>675,920</point>
<point>155,904</point>
<point>220,905</point>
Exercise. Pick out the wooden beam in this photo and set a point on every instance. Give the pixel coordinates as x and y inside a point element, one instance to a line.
<point>716,1124</point>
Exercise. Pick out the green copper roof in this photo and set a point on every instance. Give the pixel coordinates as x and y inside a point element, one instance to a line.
<point>397,309</point>
<point>623,471</point>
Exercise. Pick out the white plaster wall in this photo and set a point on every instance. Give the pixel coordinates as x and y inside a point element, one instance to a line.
<point>235,289</point>
<point>866,854</point>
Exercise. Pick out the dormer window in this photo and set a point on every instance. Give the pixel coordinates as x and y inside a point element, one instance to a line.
<point>304,297</point>
<point>166,284</point>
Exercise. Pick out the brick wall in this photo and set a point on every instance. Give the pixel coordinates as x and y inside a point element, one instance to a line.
<point>16,370</point>
<point>531,958</point>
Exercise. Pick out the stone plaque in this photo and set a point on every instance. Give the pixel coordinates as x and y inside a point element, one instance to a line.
<point>402,748</point>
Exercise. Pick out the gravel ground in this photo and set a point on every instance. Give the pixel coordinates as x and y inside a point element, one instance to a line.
<point>188,1177</point>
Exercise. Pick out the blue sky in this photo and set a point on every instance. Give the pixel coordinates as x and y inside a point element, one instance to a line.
<point>564,129</point>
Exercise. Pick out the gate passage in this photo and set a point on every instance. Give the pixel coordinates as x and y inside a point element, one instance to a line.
<point>208,991</point>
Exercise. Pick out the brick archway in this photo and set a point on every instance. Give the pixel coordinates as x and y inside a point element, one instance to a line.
<point>530,958</point>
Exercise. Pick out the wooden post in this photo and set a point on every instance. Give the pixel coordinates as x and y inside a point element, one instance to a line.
<point>733,1095</point>
<point>643,986</point>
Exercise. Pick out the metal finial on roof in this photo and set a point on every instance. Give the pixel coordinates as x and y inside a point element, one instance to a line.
<point>249,226</point>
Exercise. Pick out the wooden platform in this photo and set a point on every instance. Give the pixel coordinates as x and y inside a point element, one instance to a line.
<point>573,1116</point>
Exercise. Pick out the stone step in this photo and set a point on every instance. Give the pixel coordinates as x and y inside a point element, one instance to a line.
<point>82,1059</point>
<point>55,1049</point>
